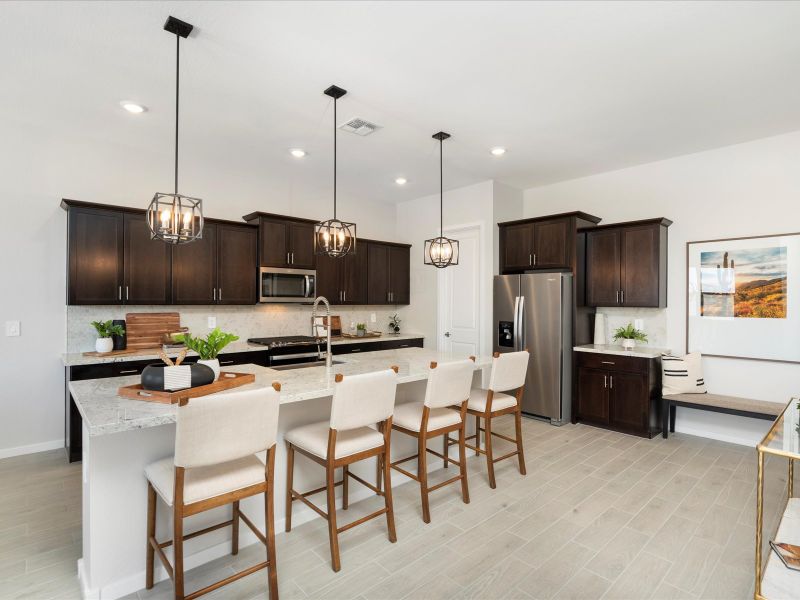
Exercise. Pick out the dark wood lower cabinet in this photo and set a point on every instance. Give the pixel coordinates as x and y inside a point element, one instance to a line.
<point>618,392</point>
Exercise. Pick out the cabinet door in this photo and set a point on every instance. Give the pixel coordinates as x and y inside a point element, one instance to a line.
<point>552,244</point>
<point>329,280</point>
<point>301,245</point>
<point>194,270</point>
<point>354,275</point>
<point>378,274</point>
<point>237,264</point>
<point>603,267</point>
<point>95,256</point>
<point>399,274</point>
<point>640,258</point>
<point>593,395</point>
<point>516,247</point>
<point>628,401</point>
<point>274,243</point>
<point>147,264</point>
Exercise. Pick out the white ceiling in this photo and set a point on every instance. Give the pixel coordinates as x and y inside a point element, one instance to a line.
<point>570,88</point>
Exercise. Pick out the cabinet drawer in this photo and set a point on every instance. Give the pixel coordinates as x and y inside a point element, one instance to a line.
<point>613,362</point>
<point>356,347</point>
<point>395,344</point>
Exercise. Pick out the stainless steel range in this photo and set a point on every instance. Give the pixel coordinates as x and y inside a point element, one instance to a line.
<point>292,350</point>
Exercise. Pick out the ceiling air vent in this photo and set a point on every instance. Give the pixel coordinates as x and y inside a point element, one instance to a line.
<point>359,126</point>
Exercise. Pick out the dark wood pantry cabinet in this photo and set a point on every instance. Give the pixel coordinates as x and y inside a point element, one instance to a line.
<point>626,264</point>
<point>286,242</point>
<point>618,392</point>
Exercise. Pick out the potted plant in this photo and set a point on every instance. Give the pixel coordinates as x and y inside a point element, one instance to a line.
<point>394,324</point>
<point>208,349</point>
<point>629,336</point>
<point>105,329</point>
<point>361,329</point>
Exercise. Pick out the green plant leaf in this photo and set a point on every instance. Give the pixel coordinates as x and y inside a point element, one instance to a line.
<point>629,332</point>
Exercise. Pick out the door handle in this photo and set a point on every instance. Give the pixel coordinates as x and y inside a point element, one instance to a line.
<point>446,334</point>
<point>292,257</point>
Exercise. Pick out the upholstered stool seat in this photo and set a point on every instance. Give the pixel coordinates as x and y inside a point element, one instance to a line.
<point>477,400</point>
<point>409,416</point>
<point>202,483</point>
<point>313,438</point>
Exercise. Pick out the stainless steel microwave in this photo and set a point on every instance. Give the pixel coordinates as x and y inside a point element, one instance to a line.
<point>278,285</point>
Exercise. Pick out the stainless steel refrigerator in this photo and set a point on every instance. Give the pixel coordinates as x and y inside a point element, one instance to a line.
<point>535,311</point>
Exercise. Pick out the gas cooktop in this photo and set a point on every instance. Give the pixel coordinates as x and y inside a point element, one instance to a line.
<point>285,340</point>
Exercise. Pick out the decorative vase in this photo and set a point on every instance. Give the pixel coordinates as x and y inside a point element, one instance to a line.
<point>360,332</point>
<point>213,364</point>
<point>153,376</point>
<point>104,345</point>
<point>628,344</point>
<point>120,341</point>
<point>397,329</point>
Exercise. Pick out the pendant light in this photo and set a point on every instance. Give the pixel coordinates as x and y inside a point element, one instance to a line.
<point>333,237</point>
<point>441,252</point>
<point>174,218</point>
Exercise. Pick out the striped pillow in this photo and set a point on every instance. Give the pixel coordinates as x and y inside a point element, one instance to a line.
<point>682,374</point>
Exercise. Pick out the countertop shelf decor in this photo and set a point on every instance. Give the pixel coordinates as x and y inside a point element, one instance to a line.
<point>773,580</point>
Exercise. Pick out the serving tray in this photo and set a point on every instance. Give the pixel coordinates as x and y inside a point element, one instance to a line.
<point>226,381</point>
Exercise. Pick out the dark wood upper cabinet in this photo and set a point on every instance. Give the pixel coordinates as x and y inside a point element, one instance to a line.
<point>148,264</point>
<point>285,242</point>
<point>237,264</point>
<point>354,275</point>
<point>301,245</point>
<point>626,264</point>
<point>542,242</point>
<point>274,243</point>
<point>95,245</point>
<point>194,269</point>
<point>329,278</point>
<point>399,275</point>
<point>378,274</point>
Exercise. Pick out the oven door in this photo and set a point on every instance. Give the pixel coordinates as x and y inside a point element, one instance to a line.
<point>287,285</point>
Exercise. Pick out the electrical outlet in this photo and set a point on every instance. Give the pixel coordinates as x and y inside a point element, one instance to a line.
<point>12,328</point>
<point>373,318</point>
<point>212,322</point>
<point>638,324</point>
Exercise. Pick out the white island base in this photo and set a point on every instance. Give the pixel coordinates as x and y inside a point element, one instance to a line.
<point>121,437</point>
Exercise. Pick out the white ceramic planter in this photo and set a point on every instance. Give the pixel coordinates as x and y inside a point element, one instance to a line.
<point>213,365</point>
<point>628,344</point>
<point>104,344</point>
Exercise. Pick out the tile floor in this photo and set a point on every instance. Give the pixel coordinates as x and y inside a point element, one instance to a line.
<point>599,515</point>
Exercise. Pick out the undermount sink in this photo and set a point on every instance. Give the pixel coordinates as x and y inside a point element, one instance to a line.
<point>316,363</point>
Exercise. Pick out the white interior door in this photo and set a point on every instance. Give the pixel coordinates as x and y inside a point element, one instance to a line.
<point>459,296</point>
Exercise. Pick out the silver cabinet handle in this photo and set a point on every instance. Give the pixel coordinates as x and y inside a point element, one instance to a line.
<point>611,381</point>
<point>355,350</point>
<point>215,294</point>
<point>127,295</point>
<point>345,295</point>
<point>617,296</point>
<point>622,296</point>
<point>129,372</point>
<point>534,260</point>
<point>226,362</point>
<point>292,260</point>
<point>606,362</point>
<point>220,294</point>
<point>605,381</point>
<point>119,293</point>
<point>288,258</point>
<point>530,260</point>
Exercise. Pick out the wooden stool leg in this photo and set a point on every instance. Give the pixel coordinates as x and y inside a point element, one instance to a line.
<point>462,458</point>
<point>422,473</point>
<point>445,449</point>
<point>378,471</point>
<point>387,496</point>
<point>289,483</point>
<point>235,527</point>
<point>345,487</point>
<point>177,563</point>
<point>489,456</point>
<point>477,434</point>
<point>520,452</point>
<point>269,524</point>
<point>151,533</point>
<point>332,533</point>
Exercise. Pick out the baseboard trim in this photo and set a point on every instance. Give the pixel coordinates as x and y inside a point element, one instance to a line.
<point>31,449</point>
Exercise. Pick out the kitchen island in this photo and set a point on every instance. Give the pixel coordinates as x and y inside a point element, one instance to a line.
<point>122,436</point>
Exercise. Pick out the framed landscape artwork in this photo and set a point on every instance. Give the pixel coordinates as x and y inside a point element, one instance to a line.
<point>743,297</point>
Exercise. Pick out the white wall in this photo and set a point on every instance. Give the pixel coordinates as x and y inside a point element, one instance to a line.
<point>42,166</point>
<point>742,190</point>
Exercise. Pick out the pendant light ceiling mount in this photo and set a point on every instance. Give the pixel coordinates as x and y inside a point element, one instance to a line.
<point>441,251</point>
<point>172,217</point>
<point>334,238</point>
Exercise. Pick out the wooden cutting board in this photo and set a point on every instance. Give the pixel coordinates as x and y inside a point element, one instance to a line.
<point>226,381</point>
<point>146,330</point>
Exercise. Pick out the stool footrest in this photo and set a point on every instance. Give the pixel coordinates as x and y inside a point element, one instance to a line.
<point>505,456</point>
<point>444,483</point>
<point>377,513</point>
<point>366,484</point>
<point>227,580</point>
<point>194,534</point>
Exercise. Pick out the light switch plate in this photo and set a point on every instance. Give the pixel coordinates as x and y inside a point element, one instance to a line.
<point>212,322</point>
<point>12,329</point>
<point>638,324</point>
<point>373,318</point>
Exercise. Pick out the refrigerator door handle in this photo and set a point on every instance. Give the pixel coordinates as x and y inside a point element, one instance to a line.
<point>516,323</point>
<point>521,319</point>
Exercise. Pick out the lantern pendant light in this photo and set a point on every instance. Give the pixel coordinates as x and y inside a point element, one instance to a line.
<point>174,218</point>
<point>334,238</point>
<point>441,252</point>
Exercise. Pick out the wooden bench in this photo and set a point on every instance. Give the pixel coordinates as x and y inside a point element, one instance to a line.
<point>731,405</point>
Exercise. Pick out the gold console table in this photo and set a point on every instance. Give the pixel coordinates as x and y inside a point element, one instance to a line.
<point>773,580</point>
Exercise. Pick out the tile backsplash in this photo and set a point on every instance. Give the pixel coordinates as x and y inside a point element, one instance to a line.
<point>655,323</point>
<point>261,320</point>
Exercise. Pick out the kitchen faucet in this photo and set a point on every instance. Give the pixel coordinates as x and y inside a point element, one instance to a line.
<point>317,300</point>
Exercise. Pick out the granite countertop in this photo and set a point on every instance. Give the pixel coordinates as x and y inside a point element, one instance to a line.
<point>104,412</point>
<point>638,351</point>
<point>77,358</point>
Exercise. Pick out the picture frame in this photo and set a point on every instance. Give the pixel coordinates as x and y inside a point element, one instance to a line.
<point>743,297</point>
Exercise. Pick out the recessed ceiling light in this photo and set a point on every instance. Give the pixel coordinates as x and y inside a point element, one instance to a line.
<point>401,181</point>
<point>498,151</point>
<point>297,152</point>
<point>132,107</point>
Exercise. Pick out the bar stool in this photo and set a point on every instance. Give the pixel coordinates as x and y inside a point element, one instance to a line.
<point>215,463</point>
<point>448,384</point>
<point>359,402</point>
<point>509,371</point>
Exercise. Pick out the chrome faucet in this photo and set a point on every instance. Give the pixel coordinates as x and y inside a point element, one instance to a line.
<point>317,300</point>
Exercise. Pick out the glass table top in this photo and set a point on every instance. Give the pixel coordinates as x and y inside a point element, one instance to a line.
<point>784,435</point>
